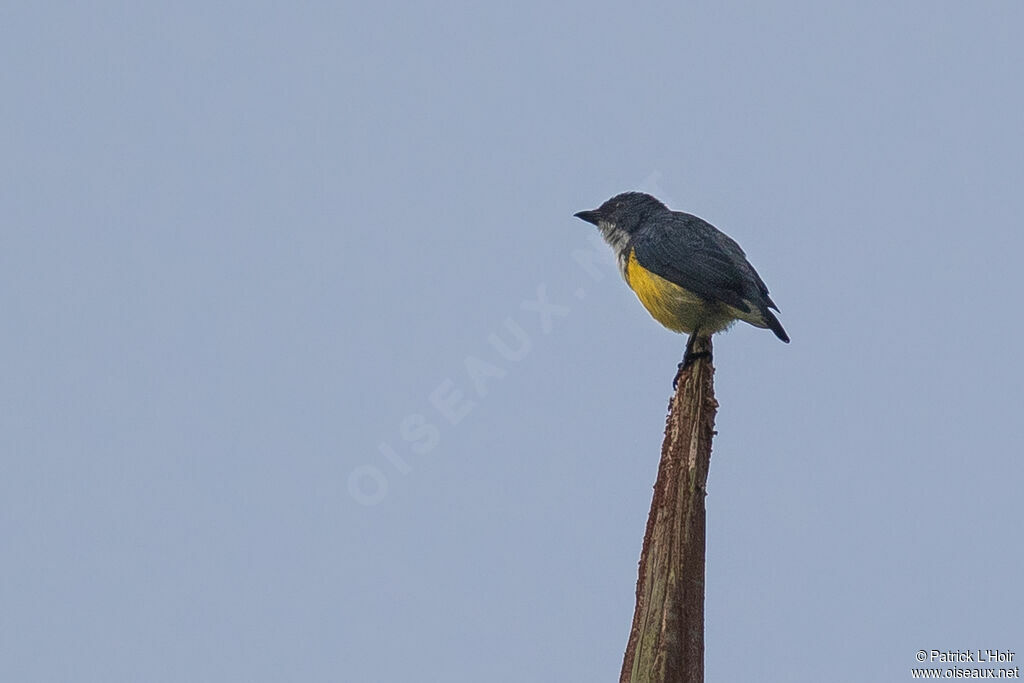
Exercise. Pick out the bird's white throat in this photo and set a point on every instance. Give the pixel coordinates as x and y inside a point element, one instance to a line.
<point>618,240</point>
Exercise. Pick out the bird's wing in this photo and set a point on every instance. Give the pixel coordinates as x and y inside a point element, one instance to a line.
<point>730,246</point>
<point>695,255</point>
<point>739,256</point>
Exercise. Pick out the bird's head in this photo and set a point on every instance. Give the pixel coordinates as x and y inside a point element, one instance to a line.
<point>624,212</point>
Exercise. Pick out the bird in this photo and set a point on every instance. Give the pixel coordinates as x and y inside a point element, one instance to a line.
<point>689,275</point>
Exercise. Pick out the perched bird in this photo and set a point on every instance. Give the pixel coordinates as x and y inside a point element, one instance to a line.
<point>689,275</point>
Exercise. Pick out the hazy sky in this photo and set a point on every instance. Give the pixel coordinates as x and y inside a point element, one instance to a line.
<point>309,373</point>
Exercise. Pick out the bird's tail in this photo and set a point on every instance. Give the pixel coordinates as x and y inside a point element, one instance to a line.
<point>774,325</point>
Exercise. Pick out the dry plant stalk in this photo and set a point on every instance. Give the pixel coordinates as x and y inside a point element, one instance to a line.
<point>666,642</point>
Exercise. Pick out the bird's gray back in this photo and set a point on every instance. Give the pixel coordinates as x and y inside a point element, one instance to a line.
<point>692,253</point>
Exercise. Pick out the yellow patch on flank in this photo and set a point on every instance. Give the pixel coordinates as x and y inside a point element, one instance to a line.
<point>671,305</point>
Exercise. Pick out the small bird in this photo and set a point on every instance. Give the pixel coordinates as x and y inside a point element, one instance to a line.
<point>690,276</point>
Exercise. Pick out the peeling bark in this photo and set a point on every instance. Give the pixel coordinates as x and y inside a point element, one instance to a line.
<point>666,642</point>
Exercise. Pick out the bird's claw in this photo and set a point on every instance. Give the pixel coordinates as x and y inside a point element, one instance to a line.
<point>688,360</point>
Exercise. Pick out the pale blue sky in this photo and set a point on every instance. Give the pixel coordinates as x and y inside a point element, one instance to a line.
<point>243,246</point>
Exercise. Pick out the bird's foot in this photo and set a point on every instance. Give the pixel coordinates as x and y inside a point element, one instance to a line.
<point>688,360</point>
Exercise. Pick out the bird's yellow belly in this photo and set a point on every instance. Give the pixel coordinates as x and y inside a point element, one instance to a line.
<point>671,305</point>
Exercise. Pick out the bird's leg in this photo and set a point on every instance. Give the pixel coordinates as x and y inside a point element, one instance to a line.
<point>689,357</point>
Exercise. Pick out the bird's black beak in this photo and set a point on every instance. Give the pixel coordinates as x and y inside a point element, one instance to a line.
<point>589,216</point>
